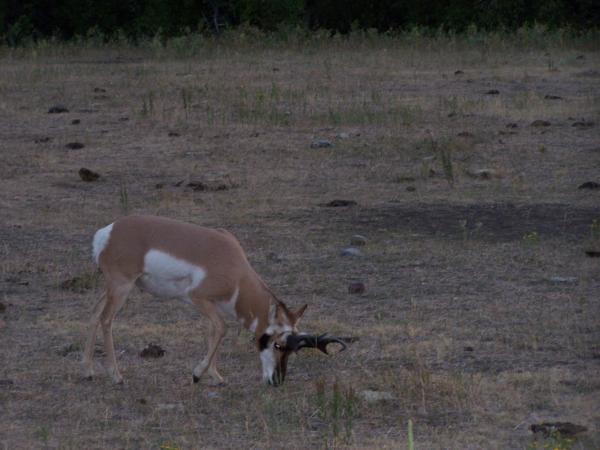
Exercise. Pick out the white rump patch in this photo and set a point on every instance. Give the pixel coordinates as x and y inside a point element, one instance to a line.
<point>100,241</point>
<point>169,277</point>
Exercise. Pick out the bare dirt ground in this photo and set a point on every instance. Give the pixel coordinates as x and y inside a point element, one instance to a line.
<point>481,310</point>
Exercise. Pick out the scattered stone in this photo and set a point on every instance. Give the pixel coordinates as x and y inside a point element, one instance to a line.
<point>583,124</point>
<point>404,179</point>
<point>563,280</point>
<point>58,109</point>
<point>164,407</point>
<point>356,288</point>
<point>69,348</point>
<point>275,257</point>
<point>2,307</point>
<point>142,401</point>
<point>99,90</point>
<point>173,134</point>
<point>589,185</point>
<point>152,351</point>
<point>458,72</point>
<point>565,429</point>
<point>552,97</point>
<point>159,185</point>
<point>358,240</point>
<point>74,145</point>
<point>370,396</point>
<point>88,175</point>
<point>580,57</point>
<point>468,348</point>
<point>101,97</point>
<point>42,140</point>
<point>512,125</point>
<point>466,134</point>
<point>540,123</point>
<point>275,69</point>
<point>123,119</point>
<point>320,143</point>
<point>593,253</point>
<point>492,92</point>
<point>6,381</point>
<point>343,136</point>
<point>483,174</point>
<point>75,122</point>
<point>351,251</point>
<point>339,203</point>
<point>212,394</point>
<point>411,188</point>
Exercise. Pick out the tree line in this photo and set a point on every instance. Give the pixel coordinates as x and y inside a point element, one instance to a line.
<point>134,19</point>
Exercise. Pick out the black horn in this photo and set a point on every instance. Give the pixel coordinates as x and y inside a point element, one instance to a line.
<point>296,342</point>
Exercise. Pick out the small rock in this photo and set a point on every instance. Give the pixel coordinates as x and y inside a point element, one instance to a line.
<point>343,136</point>
<point>338,203</point>
<point>552,97</point>
<point>351,251</point>
<point>356,288</point>
<point>74,145</point>
<point>483,174</point>
<point>320,143</point>
<point>370,396</point>
<point>580,57</point>
<point>589,185</point>
<point>159,185</point>
<point>58,109</point>
<point>358,240</point>
<point>458,72</point>
<point>563,280</point>
<point>492,92</point>
<point>152,351</point>
<point>465,134</point>
<point>123,119</point>
<point>429,159</point>
<point>411,188</point>
<point>565,429</point>
<point>142,401</point>
<point>88,175</point>
<point>173,134</point>
<point>212,394</point>
<point>593,253</point>
<point>2,307</point>
<point>42,140</point>
<point>75,122</point>
<point>540,123</point>
<point>512,125</point>
<point>170,407</point>
<point>583,124</point>
<point>99,90</point>
<point>468,348</point>
<point>210,186</point>
<point>6,381</point>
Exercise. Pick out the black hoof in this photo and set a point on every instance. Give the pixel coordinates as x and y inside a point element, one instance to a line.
<point>195,378</point>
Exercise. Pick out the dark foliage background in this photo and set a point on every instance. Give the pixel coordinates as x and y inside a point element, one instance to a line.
<point>134,19</point>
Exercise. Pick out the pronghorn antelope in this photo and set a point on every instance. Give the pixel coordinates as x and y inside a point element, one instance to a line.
<point>202,266</point>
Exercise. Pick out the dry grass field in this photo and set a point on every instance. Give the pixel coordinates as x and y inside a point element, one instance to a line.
<point>481,314</point>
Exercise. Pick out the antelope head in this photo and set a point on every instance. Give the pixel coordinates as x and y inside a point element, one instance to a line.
<point>281,338</point>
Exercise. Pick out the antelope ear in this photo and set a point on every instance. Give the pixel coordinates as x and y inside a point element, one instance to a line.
<point>298,314</point>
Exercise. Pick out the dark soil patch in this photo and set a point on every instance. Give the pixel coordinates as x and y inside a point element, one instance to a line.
<point>493,221</point>
<point>152,351</point>
<point>88,175</point>
<point>565,429</point>
<point>74,145</point>
<point>589,185</point>
<point>338,203</point>
<point>58,109</point>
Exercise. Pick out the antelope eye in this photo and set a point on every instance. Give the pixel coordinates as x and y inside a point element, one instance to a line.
<point>277,346</point>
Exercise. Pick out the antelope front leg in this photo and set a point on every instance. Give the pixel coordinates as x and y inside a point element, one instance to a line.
<point>216,331</point>
<point>88,354</point>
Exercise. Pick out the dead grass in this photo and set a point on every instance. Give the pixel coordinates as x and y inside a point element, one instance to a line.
<point>460,322</point>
